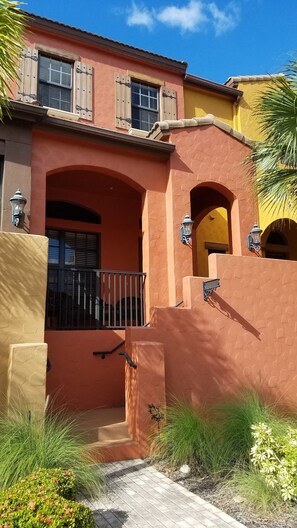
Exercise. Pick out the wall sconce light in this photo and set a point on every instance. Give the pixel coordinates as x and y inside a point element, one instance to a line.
<point>18,203</point>
<point>209,286</point>
<point>254,239</point>
<point>186,230</point>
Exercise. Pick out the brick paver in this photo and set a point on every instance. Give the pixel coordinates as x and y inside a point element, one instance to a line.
<point>139,496</point>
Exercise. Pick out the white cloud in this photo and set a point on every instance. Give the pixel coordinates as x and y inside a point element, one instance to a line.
<point>188,18</point>
<point>195,15</point>
<point>140,16</point>
<point>224,20</point>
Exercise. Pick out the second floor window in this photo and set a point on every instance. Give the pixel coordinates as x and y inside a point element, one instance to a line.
<point>145,105</point>
<point>55,83</point>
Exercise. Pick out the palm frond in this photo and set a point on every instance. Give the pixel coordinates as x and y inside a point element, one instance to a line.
<point>12,21</point>
<point>273,162</point>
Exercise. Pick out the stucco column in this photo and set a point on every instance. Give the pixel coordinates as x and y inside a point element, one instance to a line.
<point>180,259</point>
<point>16,147</point>
<point>155,249</point>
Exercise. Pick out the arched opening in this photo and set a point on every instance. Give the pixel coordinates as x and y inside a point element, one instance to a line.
<point>279,240</point>
<point>95,278</point>
<point>211,210</point>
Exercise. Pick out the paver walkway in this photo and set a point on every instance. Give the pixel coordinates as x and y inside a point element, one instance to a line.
<point>139,496</point>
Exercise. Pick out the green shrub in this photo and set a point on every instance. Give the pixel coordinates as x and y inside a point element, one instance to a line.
<point>251,485</point>
<point>44,499</point>
<point>186,438</point>
<point>276,458</point>
<point>28,444</point>
<point>235,418</point>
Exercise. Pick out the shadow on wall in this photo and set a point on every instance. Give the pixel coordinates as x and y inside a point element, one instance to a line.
<point>23,277</point>
<point>193,354</point>
<point>224,308</point>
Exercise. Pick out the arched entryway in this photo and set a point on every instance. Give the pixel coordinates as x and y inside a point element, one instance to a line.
<point>279,240</point>
<point>95,284</point>
<point>93,223</point>
<point>211,211</point>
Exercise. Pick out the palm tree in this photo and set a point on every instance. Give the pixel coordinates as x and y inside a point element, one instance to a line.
<point>275,158</point>
<point>11,30</point>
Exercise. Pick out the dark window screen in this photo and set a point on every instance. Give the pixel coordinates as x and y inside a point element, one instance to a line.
<point>73,249</point>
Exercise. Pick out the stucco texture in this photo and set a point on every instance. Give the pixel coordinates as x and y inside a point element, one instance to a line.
<point>23,265</point>
<point>245,335</point>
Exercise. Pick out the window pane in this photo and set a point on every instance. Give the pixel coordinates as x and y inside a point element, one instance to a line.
<point>54,247</point>
<point>145,106</point>
<point>55,83</point>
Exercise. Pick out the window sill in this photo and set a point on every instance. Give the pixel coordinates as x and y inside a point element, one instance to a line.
<point>138,132</point>
<point>61,114</point>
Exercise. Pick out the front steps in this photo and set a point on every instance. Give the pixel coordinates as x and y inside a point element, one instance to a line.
<point>106,432</point>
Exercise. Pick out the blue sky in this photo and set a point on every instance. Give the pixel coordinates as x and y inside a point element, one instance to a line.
<point>218,39</point>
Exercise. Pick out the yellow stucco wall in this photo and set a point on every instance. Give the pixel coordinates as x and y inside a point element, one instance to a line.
<point>199,103</point>
<point>23,276</point>
<point>212,229</point>
<point>246,120</point>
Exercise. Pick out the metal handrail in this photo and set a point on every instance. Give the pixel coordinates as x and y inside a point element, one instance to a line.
<point>104,353</point>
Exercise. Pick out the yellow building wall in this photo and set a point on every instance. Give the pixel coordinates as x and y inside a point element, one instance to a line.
<point>246,120</point>
<point>241,116</point>
<point>248,124</point>
<point>23,277</point>
<point>199,103</point>
<point>213,229</point>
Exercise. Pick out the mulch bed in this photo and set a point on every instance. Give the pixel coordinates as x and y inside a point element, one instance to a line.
<point>226,498</point>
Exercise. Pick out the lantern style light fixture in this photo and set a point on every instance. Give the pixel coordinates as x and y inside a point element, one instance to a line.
<point>18,203</point>
<point>186,230</point>
<point>254,239</point>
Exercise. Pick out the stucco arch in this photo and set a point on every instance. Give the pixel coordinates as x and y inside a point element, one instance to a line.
<point>207,197</point>
<point>284,248</point>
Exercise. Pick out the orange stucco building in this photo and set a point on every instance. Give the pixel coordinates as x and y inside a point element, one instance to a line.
<point>101,146</point>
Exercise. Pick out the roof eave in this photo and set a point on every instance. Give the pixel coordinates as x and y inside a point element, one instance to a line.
<point>109,45</point>
<point>38,115</point>
<point>205,84</point>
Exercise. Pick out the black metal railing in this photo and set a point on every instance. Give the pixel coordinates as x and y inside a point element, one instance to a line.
<point>94,299</point>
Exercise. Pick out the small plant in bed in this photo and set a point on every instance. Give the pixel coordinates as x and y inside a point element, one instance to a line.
<point>28,444</point>
<point>221,444</point>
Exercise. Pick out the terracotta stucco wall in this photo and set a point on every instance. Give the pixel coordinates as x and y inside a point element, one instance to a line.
<point>79,380</point>
<point>244,336</point>
<point>23,274</point>
<point>205,156</point>
<point>105,65</point>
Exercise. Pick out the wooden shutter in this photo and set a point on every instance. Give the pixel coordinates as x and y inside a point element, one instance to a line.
<point>28,75</point>
<point>123,101</point>
<point>83,90</point>
<point>168,103</point>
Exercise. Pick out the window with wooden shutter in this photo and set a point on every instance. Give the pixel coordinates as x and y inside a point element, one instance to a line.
<point>123,101</point>
<point>140,104</point>
<point>50,78</point>
<point>28,76</point>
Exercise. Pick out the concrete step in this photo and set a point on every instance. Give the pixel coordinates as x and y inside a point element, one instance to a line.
<point>106,432</point>
<point>117,450</point>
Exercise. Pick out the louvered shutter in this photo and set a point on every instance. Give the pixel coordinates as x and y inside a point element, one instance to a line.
<point>123,101</point>
<point>168,103</point>
<point>28,75</point>
<point>83,90</point>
